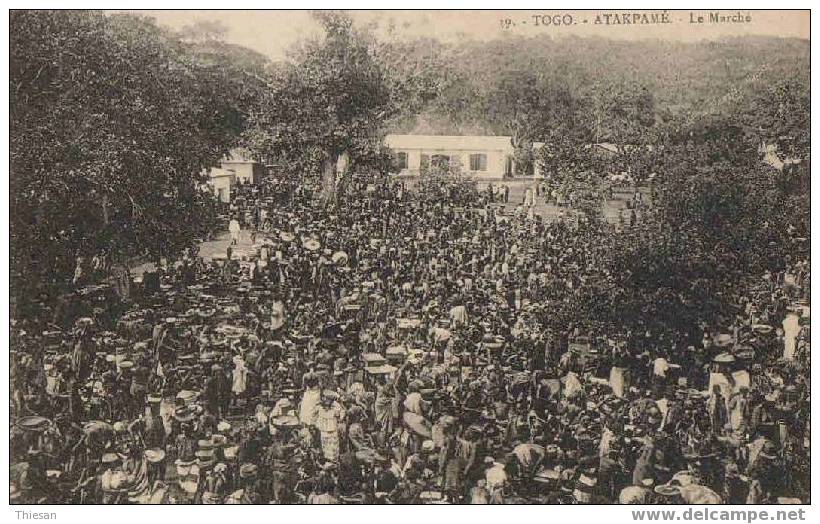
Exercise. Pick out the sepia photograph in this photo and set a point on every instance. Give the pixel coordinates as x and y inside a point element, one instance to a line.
<point>409,257</point>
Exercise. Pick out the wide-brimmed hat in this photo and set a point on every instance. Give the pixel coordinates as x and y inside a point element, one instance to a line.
<point>311,245</point>
<point>184,414</point>
<point>667,490</point>
<point>285,421</point>
<point>230,452</point>
<point>247,470</point>
<point>154,399</point>
<point>206,462</point>
<point>210,498</point>
<point>724,358</point>
<point>110,458</point>
<point>154,455</point>
<point>769,451</point>
<point>186,396</point>
<point>585,487</point>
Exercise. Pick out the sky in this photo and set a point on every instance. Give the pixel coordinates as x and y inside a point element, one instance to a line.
<point>273,32</point>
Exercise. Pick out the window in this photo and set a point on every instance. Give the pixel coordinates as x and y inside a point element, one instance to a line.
<point>478,162</point>
<point>402,161</point>
<point>425,162</point>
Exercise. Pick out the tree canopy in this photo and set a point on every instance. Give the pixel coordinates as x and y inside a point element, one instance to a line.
<point>113,121</point>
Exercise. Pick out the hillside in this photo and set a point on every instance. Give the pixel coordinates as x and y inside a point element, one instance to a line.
<point>700,77</point>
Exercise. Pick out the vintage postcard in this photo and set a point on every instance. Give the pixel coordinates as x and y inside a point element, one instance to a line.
<point>555,257</point>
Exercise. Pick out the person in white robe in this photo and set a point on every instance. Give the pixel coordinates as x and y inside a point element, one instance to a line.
<point>240,376</point>
<point>791,328</point>
<point>234,228</point>
<point>458,316</point>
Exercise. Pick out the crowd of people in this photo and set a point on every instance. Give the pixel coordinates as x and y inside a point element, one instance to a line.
<point>395,349</point>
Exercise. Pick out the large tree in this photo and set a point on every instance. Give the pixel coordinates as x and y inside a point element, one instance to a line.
<point>113,121</point>
<point>719,217</point>
<point>329,103</point>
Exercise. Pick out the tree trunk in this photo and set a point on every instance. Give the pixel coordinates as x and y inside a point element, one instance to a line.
<point>334,172</point>
<point>104,203</point>
<point>328,193</point>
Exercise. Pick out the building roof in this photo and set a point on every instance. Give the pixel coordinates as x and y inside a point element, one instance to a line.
<point>607,146</point>
<point>216,172</point>
<point>239,155</point>
<point>449,143</point>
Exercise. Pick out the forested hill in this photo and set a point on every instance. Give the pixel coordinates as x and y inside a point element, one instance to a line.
<point>700,77</point>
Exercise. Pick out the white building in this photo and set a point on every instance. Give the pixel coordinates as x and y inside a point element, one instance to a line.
<point>237,166</point>
<point>486,157</point>
<point>246,168</point>
<point>221,182</point>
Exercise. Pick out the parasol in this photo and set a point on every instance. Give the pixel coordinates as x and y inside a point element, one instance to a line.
<point>286,236</point>
<point>340,258</point>
<point>311,245</point>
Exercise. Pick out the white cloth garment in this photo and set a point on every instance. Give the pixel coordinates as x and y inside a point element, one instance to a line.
<point>791,327</point>
<point>240,375</point>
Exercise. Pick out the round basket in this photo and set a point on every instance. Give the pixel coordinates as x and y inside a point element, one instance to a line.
<point>33,423</point>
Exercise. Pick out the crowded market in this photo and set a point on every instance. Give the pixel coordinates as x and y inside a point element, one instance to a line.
<point>404,348</point>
